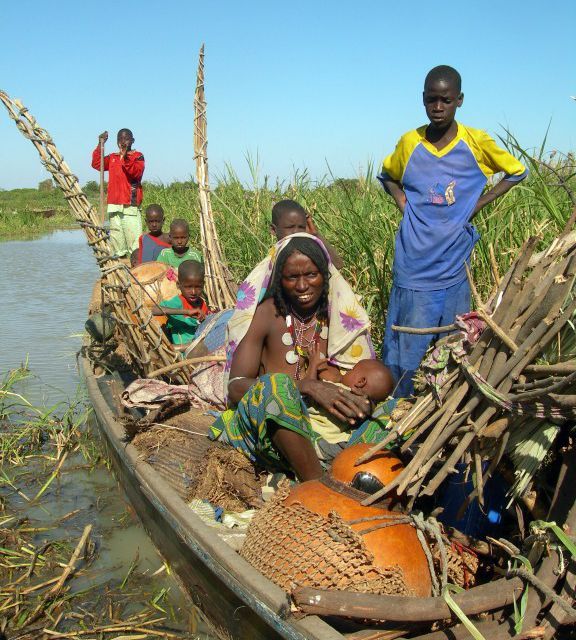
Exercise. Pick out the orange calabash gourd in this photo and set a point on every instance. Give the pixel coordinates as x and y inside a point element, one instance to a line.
<point>395,545</point>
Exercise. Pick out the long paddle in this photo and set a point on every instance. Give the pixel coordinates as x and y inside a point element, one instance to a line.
<point>102,208</point>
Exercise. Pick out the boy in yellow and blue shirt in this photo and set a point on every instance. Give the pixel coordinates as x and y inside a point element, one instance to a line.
<point>436,175</point>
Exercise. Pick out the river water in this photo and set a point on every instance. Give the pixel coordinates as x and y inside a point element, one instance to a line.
<point>45,289</point>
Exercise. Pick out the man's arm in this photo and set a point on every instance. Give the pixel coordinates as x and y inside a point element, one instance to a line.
<point>394,188</point>
<point>133,165</point>
<point>96,153</point>
<point>497,190</point>
<point>495,159</point>
<point>159,310</point>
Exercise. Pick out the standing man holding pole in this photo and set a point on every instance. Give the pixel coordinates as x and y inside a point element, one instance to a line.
<point>125,171</point>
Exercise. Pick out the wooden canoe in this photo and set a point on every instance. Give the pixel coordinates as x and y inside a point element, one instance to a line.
<point>236,599</point>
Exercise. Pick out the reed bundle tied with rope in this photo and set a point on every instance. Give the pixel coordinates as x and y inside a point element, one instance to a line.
<point>488,393</point>
<point>219,287</point>
<point>145,341</point>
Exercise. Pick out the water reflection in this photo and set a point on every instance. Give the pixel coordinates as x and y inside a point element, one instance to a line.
<point>45,289</point>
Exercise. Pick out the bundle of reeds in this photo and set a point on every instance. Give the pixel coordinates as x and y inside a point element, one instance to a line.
<point>219,287</point>
<point>143,337</point>
<point>488,394</point>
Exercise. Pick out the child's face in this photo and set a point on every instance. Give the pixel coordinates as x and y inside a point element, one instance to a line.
<point>292,222</point>
<point>441,101</point>
<point>154,222</point>
<point>124,140</point>
<point>179,238</point>
<point>191,287</point>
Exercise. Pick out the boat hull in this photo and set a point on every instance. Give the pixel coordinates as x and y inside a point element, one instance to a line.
<point>236,599</point>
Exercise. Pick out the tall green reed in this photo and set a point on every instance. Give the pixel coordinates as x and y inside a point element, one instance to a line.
<point>360,220</point>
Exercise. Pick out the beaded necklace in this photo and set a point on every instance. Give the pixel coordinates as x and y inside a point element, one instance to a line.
<point>298,327</point>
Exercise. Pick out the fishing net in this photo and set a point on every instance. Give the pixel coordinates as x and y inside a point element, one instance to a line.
<point>293,546</point>
<point>462,564</point>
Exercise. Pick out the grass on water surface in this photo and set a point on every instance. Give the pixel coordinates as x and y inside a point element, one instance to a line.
<point>55,574</point>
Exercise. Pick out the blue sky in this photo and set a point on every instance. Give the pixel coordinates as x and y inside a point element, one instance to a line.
<point>299,84</point>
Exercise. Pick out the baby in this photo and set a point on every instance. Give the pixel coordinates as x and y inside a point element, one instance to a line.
<point>368,377</point>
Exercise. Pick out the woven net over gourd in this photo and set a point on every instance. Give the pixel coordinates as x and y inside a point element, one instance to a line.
<point>293,546</point>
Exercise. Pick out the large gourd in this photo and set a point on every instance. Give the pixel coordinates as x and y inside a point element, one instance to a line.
<point>391,545</point>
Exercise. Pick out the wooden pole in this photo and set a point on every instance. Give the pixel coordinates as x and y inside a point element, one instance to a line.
<point>102,204</point>
<point>220,288</point>
<point>325,602</point>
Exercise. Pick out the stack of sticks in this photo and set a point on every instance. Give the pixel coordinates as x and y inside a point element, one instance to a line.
<point>143,337</point>
<point>491,391</point>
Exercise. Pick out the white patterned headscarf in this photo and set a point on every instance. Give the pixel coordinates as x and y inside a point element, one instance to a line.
<point>348,323</point>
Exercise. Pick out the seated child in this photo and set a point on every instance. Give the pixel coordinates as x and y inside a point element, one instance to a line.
<point>151,244</point>
<point>187,310</point>
<point>179,251</point>
<point>369,377</point>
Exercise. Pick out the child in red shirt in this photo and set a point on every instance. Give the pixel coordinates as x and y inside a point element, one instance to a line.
<point>125,170</point>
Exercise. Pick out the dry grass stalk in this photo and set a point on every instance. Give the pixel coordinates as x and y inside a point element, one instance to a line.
<point>148,346</point>
<point>220,288</point>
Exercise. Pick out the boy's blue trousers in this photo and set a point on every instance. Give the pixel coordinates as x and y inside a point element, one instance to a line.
<point>403,352</point>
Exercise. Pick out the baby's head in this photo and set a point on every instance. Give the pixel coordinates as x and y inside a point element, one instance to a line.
<point>371,377</point>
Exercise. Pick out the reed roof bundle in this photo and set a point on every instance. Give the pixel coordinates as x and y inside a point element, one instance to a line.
<point>219,285</point>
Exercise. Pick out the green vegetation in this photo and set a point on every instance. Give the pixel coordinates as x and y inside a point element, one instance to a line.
<point>29,212</point>
<point>59,572</point>
<point>361,221</point>
<point>355,215</point>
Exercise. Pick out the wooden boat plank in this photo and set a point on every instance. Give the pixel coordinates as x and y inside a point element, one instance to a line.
<point>234,595</point>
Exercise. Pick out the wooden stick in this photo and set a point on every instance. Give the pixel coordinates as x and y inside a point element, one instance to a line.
<point>68,570</point>
<point>486,597</point>
<point>421,331</point>
<point>563,512</point>
<point>102,209</point>
<point>220,288</point>
<point>185,363</point>
<point>560,368</point>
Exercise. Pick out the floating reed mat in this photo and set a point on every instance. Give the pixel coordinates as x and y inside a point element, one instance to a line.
<point>143,337</point>
<point>484,391</point>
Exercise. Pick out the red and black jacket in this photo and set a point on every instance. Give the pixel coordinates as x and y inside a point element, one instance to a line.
<point>124,176</point>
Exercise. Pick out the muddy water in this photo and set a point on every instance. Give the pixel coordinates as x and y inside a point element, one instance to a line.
<point>44,292</point>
